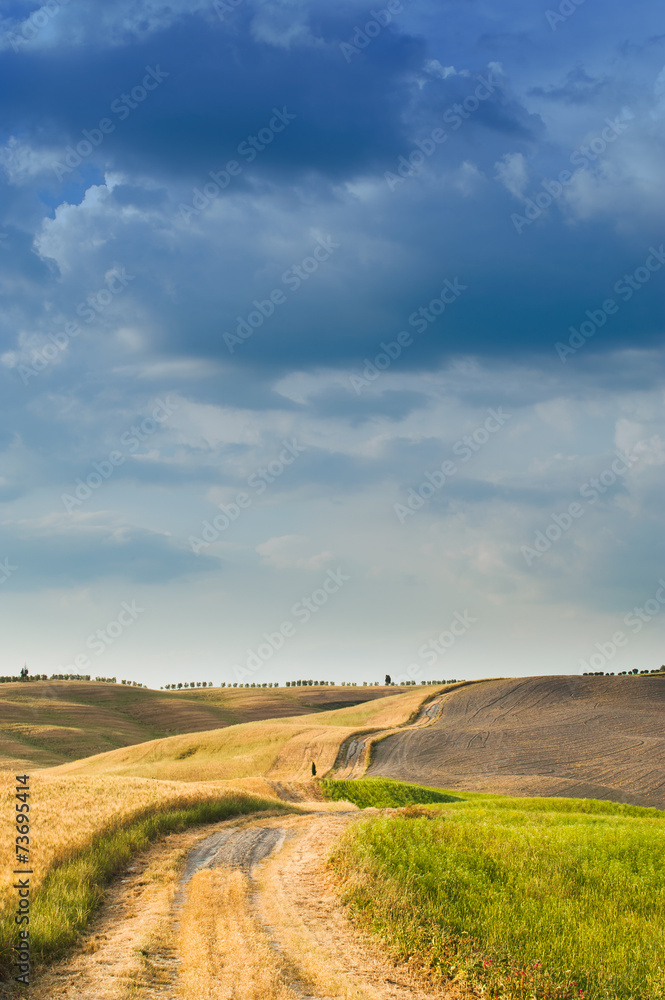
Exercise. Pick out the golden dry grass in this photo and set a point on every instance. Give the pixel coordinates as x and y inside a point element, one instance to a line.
<point>66,815</point>
<point>223,953</point>
<point>46,723</point>
<point>281,749</point>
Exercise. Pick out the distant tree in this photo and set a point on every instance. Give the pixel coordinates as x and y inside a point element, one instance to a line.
<point>24,673</point>
<point>388,680</point>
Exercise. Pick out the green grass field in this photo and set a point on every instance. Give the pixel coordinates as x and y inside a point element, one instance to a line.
<point>382,793</point>
<point>528,898</point>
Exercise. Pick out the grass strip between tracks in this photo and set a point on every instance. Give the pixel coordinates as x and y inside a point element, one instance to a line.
<point>71,892</point>
<point>546,899</point>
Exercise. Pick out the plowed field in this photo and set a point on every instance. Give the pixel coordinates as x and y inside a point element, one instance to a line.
<point>584,737</point>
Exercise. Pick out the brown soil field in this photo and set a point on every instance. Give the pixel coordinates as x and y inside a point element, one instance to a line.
<point>46,723</point>
<point>582,737</point>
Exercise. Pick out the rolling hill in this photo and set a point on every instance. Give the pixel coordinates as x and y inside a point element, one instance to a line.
<point>46,723</point>
<point>279,749</point>
<point>585,737</point>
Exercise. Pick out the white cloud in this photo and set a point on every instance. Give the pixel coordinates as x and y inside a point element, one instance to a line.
<point>512,171</point>
<point>22,163</point>
<point>283,24</point>
<point>435,68</point>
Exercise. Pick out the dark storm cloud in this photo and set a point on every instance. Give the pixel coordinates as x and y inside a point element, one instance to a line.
<point>347,117</point>
<point>353,121</point>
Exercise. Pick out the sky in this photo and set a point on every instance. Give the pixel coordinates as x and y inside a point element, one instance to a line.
<point>331,339</point>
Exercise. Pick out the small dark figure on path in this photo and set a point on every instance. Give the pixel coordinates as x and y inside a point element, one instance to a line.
<point>313,769</point>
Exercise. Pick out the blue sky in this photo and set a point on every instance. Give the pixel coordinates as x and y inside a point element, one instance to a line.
<point>326,327</point>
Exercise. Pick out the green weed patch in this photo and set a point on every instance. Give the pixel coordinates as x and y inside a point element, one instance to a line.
<point>382,793</point>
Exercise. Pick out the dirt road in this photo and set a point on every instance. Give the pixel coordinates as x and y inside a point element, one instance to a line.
<point>241,910</point>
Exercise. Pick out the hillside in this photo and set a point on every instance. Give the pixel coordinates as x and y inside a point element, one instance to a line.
<point>46,723</point>
<point>585,737</point>
<point>280,749</point>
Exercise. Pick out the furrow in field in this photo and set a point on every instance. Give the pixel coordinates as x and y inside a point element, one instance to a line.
<point>600,737</point>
